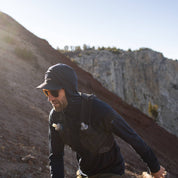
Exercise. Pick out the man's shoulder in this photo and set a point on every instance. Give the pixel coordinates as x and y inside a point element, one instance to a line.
<point>97,104</point>
<point>87,96</point>
<point>100,104</point>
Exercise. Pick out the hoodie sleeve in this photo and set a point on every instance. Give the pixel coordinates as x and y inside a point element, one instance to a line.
<point>119,127</point>
<point>113,122</point>
<point>56,151</point>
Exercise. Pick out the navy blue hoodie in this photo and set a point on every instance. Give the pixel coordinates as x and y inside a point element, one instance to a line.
<point>104,119</point>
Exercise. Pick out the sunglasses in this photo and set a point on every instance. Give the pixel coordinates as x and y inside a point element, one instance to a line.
<point>54,93</point>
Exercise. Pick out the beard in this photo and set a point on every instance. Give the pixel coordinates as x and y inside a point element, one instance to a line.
<point>59,103</point>
<point>58,106</point>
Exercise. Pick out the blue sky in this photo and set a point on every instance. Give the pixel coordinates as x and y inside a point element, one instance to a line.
<point>125,24</point>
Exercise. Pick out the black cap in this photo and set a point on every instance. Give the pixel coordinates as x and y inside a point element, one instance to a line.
<point>60,76</point>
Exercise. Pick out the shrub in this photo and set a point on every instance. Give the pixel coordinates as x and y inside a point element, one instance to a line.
<point>24,53</point>
<point>74,61</point>
<point>153,110</point>
<point>9,40</point>
<point>77,48</point>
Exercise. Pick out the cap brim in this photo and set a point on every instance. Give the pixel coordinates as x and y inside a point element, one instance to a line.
<point>49,86</point>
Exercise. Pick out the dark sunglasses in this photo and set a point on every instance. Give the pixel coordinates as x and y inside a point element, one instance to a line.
<point>54,93</point>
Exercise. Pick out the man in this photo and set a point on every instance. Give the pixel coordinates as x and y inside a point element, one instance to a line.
<point>87,125</point>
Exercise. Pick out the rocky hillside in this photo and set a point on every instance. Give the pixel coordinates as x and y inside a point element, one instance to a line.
<point>142,78</point>
<point>24,58</point>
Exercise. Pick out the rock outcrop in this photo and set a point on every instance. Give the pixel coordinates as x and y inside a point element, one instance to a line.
<point>142,78</point>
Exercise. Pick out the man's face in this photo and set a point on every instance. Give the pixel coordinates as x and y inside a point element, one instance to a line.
<point>59,102</point>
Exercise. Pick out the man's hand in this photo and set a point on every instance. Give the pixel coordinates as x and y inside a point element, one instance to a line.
<point>160,174</point>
